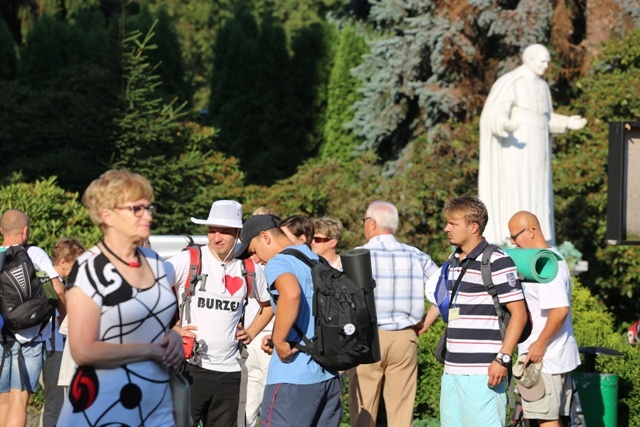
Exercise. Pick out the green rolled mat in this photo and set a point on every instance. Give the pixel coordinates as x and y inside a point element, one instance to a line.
<point>536,265</point>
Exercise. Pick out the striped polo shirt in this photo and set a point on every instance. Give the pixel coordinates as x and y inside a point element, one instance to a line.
<point>473,339</point>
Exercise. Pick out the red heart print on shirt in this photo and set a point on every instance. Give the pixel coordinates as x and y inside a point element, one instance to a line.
<point>233,283</point>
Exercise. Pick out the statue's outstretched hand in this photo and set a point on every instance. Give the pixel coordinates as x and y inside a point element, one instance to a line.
<point>507,127</point>
<point>576,122</point>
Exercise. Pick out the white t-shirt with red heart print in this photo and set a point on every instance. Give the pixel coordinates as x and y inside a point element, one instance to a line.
<point>216,310</point>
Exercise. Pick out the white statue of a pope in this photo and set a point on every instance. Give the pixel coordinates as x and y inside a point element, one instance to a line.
<point>515,146</point>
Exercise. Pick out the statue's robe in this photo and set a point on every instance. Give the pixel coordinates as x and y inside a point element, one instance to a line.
<point>515,172</point>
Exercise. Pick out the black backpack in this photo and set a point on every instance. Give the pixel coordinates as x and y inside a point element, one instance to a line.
<point>23,302</point>
<point>342,321</point>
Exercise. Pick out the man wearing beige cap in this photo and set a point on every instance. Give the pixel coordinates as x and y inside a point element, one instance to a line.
<point>213,315</point>
<point>551,341</point>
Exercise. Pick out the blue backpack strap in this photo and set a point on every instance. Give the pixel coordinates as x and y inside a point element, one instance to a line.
<point>441,294</point>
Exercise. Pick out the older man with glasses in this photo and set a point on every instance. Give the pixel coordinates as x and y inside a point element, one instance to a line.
<point>401,272</point>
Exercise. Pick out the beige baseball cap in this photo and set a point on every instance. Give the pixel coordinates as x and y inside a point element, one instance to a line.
<point>528,378</point>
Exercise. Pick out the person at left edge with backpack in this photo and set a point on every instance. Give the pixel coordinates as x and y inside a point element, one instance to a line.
<point>14,394</point>
<point>299,392</point>
<point>215,314</point>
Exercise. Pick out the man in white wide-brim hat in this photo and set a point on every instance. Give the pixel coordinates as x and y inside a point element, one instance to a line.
<point>212,315</point>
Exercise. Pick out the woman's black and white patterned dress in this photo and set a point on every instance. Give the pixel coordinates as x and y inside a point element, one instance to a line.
<point>135,394</point>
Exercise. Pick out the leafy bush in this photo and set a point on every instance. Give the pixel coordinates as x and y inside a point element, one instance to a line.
<point>54,212</point>
<point>325,187</point>
<point>580,177</point>
<point>429,374</point>
<point>593,326</point>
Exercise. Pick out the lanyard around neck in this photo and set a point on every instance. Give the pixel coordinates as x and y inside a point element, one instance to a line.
<point>456,285</point>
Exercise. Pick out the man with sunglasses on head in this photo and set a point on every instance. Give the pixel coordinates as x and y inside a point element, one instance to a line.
<point>214,316</point>
<point>400,272</point>
<point>551,341</point>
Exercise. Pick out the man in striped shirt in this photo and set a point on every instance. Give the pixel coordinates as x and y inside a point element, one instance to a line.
<point>473,384</point>
<point>400,272</point>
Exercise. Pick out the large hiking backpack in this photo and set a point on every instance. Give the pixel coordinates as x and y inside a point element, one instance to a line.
<point>23,302</point>
<point>342,320</point>
<point>196,277</point>
<point>503,314</point>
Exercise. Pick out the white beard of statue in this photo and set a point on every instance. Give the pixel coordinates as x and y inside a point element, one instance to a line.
<point>515,147</point>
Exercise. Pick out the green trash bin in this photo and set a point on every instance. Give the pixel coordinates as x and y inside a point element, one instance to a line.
<point>598,397</point>
<point>598,392</point>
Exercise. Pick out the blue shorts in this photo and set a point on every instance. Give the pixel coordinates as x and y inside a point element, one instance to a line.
<point>467,401</point>
<point>33,358</point>
<point>307,405</point>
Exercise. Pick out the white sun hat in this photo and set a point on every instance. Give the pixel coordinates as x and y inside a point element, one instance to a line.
<point>223,213</point>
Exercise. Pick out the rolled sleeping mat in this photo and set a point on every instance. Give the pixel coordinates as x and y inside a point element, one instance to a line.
<point>3,255</point>
<point>356,264</point>
<point>536,265</point>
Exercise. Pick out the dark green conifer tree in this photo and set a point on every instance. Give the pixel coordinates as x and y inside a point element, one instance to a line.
<point>252,100</point>
<point>62,102</point>
<point>281,144</point>
<point>153,139</point>
<point>146,126</point>
<point>167,56</point>
<point>311,63</point>
<point>339,141</point>
<point>8,59</point>
<point>233,107</point>
<point>429,65</point>
<point>53,45</point>
<point>47,50</point>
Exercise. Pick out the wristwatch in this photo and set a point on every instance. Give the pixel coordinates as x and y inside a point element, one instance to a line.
<point>503,359</point>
